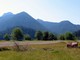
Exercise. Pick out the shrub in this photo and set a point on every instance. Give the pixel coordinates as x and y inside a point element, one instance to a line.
<point>6,37</point>
<point>27,37</point>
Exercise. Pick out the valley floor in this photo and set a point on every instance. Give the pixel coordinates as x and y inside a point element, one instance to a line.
<point>11,43</point>
<point>41,50</point>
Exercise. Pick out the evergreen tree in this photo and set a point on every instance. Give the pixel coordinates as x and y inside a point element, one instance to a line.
<point>70,36</point>
<point>45,35</point>
<point>39,35</point>
<point>51,36</point>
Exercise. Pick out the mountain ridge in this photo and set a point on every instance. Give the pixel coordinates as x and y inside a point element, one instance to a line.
<point>25,20</point>
<point>22,19</point>
<point>61,27</point>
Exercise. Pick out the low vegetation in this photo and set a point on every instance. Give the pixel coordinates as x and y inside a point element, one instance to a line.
<point>17,34</point>
<point>53,51</point>
<point>56,51</point>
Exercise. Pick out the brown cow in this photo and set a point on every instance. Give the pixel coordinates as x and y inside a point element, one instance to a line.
<point>72,44</point>
<point>69,44</point>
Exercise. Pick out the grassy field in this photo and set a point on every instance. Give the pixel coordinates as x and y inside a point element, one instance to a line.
<point>55,51</point>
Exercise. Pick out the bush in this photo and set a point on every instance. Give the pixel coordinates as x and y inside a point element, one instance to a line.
<point>62,37</point>
<point>27,37</point>
<point>6,37</point>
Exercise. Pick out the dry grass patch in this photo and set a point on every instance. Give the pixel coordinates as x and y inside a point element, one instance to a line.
<point>55,51</point>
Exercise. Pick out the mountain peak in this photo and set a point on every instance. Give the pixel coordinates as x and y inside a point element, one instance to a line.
<point>23,12</point>
<point>8,14</point>
<point>25,15</point>
<point>65,22</point>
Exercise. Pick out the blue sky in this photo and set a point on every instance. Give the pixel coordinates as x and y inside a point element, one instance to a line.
<point>48,10</point>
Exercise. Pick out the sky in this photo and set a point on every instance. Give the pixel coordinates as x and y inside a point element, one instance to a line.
<point>47,10</point>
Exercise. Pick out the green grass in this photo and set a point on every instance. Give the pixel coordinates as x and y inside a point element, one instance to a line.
<point>56,51</point>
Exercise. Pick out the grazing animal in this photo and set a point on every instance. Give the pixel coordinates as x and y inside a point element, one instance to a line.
<point>75,44</point>
<point>69,44</point>
<point>72,44</point>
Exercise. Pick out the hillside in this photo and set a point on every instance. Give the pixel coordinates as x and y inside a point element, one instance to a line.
<point>30,25</point>
<point>61,27</point>
<point>21,19</point>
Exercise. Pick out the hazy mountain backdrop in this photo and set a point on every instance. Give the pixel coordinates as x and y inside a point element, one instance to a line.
<point>62,27</point>
<point>26,22</point>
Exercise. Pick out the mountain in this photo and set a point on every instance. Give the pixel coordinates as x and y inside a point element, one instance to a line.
<point>23,20</point>
<point>61,27</point>
<point>20,19</point>
<point>30,25</point>
<point>6,16</point>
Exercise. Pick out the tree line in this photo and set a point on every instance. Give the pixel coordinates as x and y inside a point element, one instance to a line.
<point>17,34</point>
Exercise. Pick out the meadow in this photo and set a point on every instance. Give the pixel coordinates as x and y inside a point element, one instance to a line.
<point>53,51</point>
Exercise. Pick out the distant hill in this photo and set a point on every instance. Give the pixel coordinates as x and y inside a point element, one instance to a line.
<point>20,19</point>
<point>6,16</point>
<point>23,20</point>
<point>59,28</point>
<point>30,25</point>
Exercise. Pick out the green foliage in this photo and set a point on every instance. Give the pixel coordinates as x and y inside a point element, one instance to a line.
<point>77,34</point>
<point>55,37</point>
<point>39,35</point>
<point>6,37</point>
<point>45,35</point>
<point>52,37</point>
<point>62,37</point>
<point>17,34</point>
<point>69,36</point>
<point>27,37</point>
